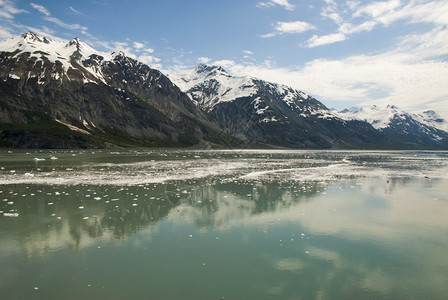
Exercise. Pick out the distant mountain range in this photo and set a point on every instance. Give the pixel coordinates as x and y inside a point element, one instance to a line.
<point>56,94</point>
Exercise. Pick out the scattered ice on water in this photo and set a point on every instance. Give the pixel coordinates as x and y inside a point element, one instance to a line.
<point>12,215</point>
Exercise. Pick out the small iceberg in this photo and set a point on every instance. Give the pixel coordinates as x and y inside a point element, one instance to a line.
<point>12,215</point>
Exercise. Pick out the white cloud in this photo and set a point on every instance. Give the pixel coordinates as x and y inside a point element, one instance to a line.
<point>413,76</point>
<point>148,59</point>
<point>8,9</point>
<point>5,33</point>
<point>378,9</point>
<point>290,27</point>
<point>77,12</point>
<point>225,63</point>
<point>354,18</point>
<point>331,11</point>
<point>268,35</point>
<point>203,60</point>
<point>57,21</point>
<point>315,40</point>
<point>65,25</point>
<point>248,52</point>
<point>348,28</point>
<point>284,3</point>
<point>293,27</point>
<point>138,45</point>
<point>41,9</point>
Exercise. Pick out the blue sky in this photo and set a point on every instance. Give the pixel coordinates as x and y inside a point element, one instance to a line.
<point>344,53</point>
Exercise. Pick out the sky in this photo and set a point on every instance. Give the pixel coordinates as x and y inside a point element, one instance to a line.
<point>344,53</point>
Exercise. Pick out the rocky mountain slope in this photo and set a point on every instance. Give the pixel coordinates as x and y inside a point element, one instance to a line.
<point>407,129</point>
<point>73,96</point>
<point>274,114</point>
<point>64,94</point>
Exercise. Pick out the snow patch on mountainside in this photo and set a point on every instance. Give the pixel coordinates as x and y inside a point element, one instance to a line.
<point>379,117</point>
<point>290,95</point>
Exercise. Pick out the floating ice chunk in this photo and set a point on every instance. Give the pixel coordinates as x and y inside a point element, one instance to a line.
<point>28,175</point>
<point>53,158</point>
<point>38,159</point>
<point>134,204</point>
<point>85,218</point>
<point>81,207</point>
<point>12,215</point>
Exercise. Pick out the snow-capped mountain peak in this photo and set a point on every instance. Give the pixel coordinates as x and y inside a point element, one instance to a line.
<point>209,85</point>
<point>379,117</point>
<point>32,37</point>
<point>399,124</point>
<point>81,50</point>
<point>208,71</point>
<point>431,118</point>
<point>74,60</point>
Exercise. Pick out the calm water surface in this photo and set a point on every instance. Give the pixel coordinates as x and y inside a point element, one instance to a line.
<point>179,224</point>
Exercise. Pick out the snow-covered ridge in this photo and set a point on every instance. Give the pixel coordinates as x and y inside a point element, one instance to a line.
<point>209,85</point>
<point>431,118</point>
<point>379,117</point>
<point>220,86</point>
<point>68,53</point>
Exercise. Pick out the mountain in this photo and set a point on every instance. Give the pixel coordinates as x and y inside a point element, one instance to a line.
<point>408,129</point>
<point>58,94</point>
<point>432,119</point>
<point>65,94</point>
<point>268,114</point>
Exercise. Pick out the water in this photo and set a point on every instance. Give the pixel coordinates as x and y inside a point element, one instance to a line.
<point>179,224</point>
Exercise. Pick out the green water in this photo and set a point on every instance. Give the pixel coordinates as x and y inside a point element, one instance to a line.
<point>179,224</point>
